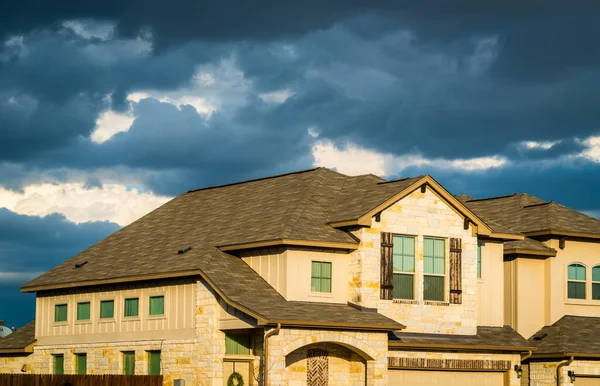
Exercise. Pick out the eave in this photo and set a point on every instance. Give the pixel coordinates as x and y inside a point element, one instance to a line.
<point>564,355</point>
<point>24,350</point>
<point>276,242</point>
<point>522,251</point>
<point>454,347</point>
<point>555,232</point>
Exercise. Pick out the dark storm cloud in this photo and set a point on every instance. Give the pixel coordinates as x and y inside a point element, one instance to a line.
<point>30,245</point>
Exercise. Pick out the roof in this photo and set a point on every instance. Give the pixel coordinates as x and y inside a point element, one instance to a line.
<point>19,341</point>
<point>528,246</point>
<point>570,335</point>
<point>533,216</point>
<point>487,339</point>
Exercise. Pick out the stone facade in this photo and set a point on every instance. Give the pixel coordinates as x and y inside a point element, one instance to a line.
<point>351,351</point>
<point>544,373</point>
<point>419,215</point>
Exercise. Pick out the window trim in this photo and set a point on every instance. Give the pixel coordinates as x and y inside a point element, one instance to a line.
<point>480,245</point>
<point>322,293</point>
<point>585,282</point>
<point>414,273</point>
<point>129,317</point>
<point>66,321</point>
<point>89,319</point>
<point>106,319</point>
<point>157,295</point>
<point>445,275</point>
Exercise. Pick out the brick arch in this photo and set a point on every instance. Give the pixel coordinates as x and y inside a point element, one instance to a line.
<point>359,347</point>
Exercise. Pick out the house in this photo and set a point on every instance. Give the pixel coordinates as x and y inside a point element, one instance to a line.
<point>318,278</point>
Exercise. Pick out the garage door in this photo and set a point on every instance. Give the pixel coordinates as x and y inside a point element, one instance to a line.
<point>587,381</point>
<point>446,378</point>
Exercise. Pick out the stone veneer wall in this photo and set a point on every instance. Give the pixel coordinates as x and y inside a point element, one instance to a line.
<point>13,364</point>
<point>418,214</point>
<point>464,359</point>
<point>290,344</point>
<point>544,373</point>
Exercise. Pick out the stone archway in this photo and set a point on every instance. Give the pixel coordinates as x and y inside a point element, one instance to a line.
<point>358,346</point>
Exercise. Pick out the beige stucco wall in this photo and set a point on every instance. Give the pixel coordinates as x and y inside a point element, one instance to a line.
<point>176,323</point>
<point>420,215</point>
<point>490,295</point>
<point>536,287</point>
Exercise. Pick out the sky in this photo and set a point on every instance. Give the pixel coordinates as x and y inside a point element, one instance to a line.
<point>109,109</point>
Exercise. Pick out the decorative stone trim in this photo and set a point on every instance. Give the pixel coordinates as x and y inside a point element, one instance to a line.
<point>448,364</point>
<point>405,301</point>
<point>433,303</point>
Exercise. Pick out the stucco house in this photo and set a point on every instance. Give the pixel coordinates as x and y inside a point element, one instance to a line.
<point>318,278</point>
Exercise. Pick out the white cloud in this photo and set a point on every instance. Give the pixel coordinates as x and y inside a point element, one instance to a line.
<point>110,123</point>
<point>90,29</point>
<point>276,97</point>
<point>544,145</point>
<point>313,131</point>
<point>80,203</point>
<point>19,277</point>
<point>353,160</point>
<point>593,213</point>
<point>592,151</point>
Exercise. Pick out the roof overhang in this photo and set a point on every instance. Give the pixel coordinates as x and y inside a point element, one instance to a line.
<point>22,351</point>
<point>555,232</point>
<point>270,243</point>
<point>564,355</point>
<point>479,226</point>
<point>332,325</point>
<point>506,236</point>
<point>453,346</point>
<point>524,251</point>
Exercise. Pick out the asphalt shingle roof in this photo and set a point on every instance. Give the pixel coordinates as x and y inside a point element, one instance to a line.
<point>569,335</point>
<point>529,244</point>
<point>19,339</point>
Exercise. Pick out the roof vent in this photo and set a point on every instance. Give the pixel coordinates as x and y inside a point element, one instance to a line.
<point>184,250</point>
<point>79,265</point>
<point>540,336</point>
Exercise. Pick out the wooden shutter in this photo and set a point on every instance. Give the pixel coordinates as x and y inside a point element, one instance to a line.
<point>455,271</point>
<point>387,269</point>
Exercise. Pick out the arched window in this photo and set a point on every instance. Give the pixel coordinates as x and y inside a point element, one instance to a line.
<point>576,281</point>
<point>596,282</point>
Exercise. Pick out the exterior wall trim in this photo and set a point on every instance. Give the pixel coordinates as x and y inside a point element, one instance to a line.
<point>449,364</point>
<point>472,348</point>
<point>519,251</point>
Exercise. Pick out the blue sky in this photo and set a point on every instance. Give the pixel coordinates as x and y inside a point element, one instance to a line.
<point>108,109</point>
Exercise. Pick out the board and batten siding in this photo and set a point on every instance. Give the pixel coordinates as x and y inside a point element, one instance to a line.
<point>176,323</point>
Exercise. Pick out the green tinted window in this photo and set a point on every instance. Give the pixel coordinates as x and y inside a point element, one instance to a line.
<point>320,276</point>
<point>83,311</point>
<point>81,363</point>
<point>596,283</point>
<point>157,305</point>
<point>479,260</point>
<point>128,362</point>
<point>576,281</point>
<point>153,362</point>
<point>237,344</point>
<point>404,254</point>
<point>576,272</point>
<point>132,307</point>
<point>107,309</point>
<point>434,263</point>
<point>59,364</point>
<point>60,313</point>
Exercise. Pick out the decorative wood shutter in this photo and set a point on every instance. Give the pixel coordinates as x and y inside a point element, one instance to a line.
<point>387,266</point>
<point>317,367</point>
<point>455,271</point>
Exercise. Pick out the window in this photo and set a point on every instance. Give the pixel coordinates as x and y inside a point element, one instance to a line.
<point>131,307</point>
<point>320,280</point>
<point>107,309</point>
<point>479,245</point>
<point>434,269</point>
<point>60,313</point>
<point>576,281</point>
<point>596,282</point>
<point>81,363</point>
<point>157,305</point>
<point>404,267</point>
<point>153,362</point>
<point>129,362</point>
<point>237,344</point>
<point>83,311</point>
<point>58,364</point>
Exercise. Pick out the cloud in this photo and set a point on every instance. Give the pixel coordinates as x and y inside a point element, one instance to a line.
<point>80,203</point>
<point>110,123</point>
<point>592,151</point>
<point>276,97</point>
<point>354,160</point>
<point>542,145</point>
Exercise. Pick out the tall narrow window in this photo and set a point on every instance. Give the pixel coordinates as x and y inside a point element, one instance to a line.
<point>157,305</point>
<point>107,309</point>
<point>237,344</point>
<point>320,276</point>
<point>58,363</point>
<point>132,307</point>
<point>479,260</point>
<point>434,269</point>
<point>404,267</point>
<point>153,362</point>
<point>129,362</point>
<point>576,281</point>
<point>596,282</point>
<point>81,363</point>
<point>60,313</point>
<point>83,311</point>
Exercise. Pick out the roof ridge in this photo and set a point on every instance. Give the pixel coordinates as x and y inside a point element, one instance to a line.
<point>540,204</point>
<point>257,179</point>
<point>400,179</point>
<point>492,198</point>
<point>301,207</point>
<point>334,203</point>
